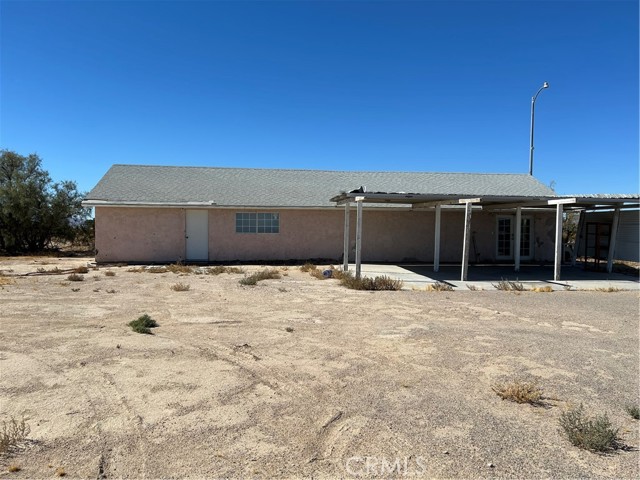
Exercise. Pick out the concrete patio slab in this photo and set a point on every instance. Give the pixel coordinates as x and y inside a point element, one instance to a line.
<point>485,277</point>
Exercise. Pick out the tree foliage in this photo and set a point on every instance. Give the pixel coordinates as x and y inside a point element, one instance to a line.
<point>33,210</point>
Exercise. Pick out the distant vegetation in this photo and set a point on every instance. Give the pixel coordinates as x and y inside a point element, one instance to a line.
<point>35,212</point>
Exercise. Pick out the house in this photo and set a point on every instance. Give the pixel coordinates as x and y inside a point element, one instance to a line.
<point>153,214</point>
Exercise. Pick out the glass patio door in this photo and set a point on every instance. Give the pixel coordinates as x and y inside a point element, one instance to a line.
<point>505,236</point>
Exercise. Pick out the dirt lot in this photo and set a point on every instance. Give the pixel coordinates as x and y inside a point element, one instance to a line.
<point>363,381</point>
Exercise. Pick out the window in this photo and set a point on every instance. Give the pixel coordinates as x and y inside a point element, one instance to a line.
<point>257,223</point>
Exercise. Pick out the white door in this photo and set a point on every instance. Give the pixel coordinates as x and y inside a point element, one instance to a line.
<point>197,235</point>
<point>505,235</point>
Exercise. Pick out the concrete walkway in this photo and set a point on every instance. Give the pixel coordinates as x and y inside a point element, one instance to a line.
<point>484,277</point>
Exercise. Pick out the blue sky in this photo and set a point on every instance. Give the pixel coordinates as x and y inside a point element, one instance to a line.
<point>386,85</point>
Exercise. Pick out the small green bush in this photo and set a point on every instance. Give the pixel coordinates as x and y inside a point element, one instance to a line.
<point>594,434</point>
<point>143,324</point>
<point>634,411</point>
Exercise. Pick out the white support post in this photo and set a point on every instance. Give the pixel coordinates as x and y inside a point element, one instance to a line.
<point>358,237</point>
<point>516,247</point>
<point>436,241</point>
<point>347,235</point>
<point>558,256</point>
<point>613,239</point>
<point>576,245</point>
<point>466,241</point>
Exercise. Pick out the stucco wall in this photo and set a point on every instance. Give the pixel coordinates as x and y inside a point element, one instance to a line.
<point>139,234</point>
<point>157,235</point>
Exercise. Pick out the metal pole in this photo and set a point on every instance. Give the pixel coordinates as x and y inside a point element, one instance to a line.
<point>347,231</point>
<point>358,236</point>
<point>533,109</point>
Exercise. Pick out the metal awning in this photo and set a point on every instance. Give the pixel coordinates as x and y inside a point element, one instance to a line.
<point>559,203</point>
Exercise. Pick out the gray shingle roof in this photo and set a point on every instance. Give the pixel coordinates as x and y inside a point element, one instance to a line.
<point>254,187</point>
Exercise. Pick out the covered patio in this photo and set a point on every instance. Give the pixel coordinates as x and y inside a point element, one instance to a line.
<point>486,277</point>
<point>516,204</point>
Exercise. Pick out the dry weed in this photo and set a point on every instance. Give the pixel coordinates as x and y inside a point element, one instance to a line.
<point>12,433</point>
<point>519,391</point>
<point>439,287</point>
<point>180,287</point>
<point>542,289</point>
<point>608,289</point>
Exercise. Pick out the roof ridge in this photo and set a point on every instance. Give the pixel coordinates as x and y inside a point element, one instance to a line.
<point>317,170</point>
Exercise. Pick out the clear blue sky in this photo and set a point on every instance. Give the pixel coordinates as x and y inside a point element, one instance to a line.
<point>386,85</point>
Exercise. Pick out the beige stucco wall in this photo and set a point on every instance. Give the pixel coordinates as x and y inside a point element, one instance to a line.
<point>157,235</point>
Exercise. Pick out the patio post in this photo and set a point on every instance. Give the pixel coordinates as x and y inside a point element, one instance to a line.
<point>347,233</point>
<point>613,239</point>
<point>436,241</point>
<point>558,255</point>
<point>466,241</point>
<point>576,245</point>
<point>516,248</point>
<point>359,236</point>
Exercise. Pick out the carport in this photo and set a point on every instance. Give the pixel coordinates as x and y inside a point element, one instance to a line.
<point>560,204</point>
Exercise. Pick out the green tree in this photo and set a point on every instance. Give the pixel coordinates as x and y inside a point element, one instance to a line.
<point>34,210</point>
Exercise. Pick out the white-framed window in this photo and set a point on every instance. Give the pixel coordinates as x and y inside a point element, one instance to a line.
<point>251,222</point>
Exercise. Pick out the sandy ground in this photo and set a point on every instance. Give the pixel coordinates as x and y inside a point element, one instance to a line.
<point>367,385</point>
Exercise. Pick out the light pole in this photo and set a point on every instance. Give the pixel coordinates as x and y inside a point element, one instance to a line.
<point>533,109</point>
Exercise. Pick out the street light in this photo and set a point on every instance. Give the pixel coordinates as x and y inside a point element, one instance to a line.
<point>533,108</point>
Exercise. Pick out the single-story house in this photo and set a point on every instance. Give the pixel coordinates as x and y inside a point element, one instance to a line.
<point>154,214</point>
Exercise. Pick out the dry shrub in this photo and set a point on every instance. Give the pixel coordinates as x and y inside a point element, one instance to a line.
<point>475,288</point>
<point>542,289</point>
<point>509,286</point>
<point>74,277</point>
<point>180,287</point>
<point>316,273</point>
<point>136,269</point>
<point>519,391</point>
<point>60,472</point>
<point>439,287</point>
<point>50,270</point>
<point>6,281</point>
<point>156,269</point>
<point>81,270</point>
<point>180,268</point>
<point>608,289</point>
<point>14,467</point>
<point>595,434</point>
<point>365,283</point>
<point>337,273</point>
<point>219,269</point>
<point>266,274</point>
<point>308,267</point>
<point>12,433</point>
<point>110,273</point>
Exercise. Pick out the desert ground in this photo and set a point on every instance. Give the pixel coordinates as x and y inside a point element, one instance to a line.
<point>302,378</point>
